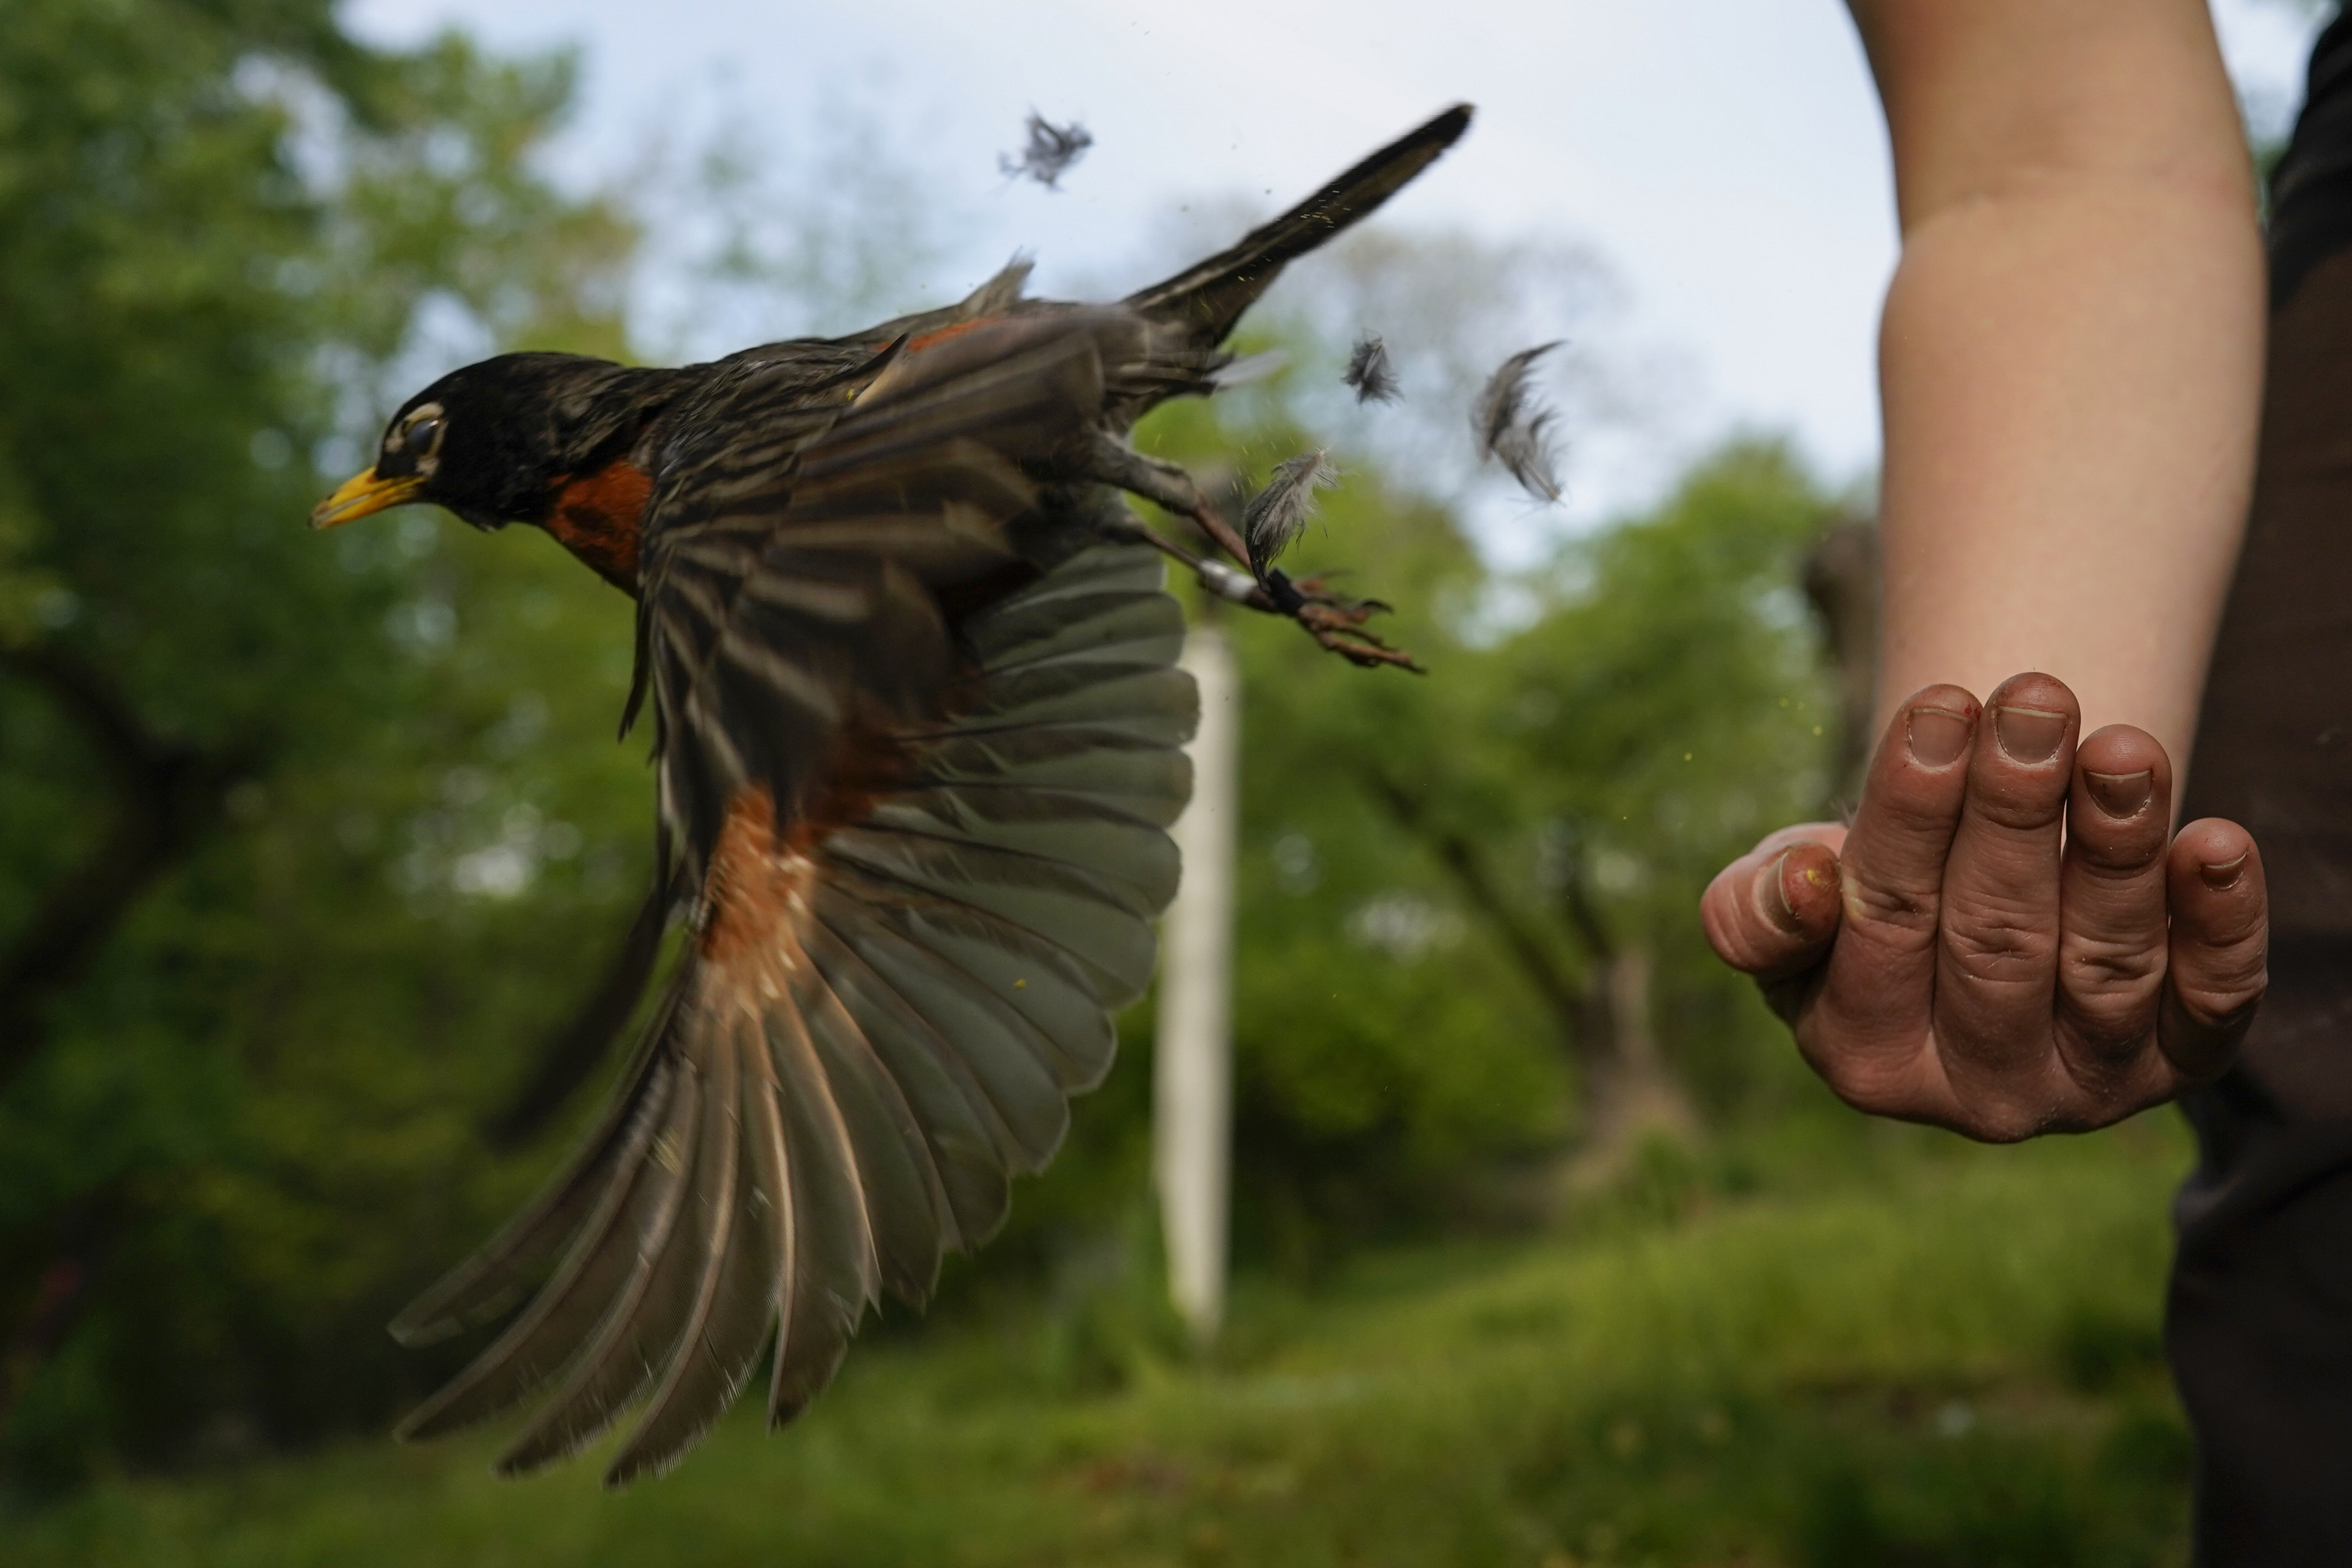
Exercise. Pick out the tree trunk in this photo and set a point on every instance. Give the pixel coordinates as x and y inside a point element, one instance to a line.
<point>166,796</point>
<point>1632,1093</point>
<point>1842,580</point>
<point>1602,1015</point>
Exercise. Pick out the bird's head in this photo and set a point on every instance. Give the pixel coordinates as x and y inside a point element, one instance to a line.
<point>492,441</point>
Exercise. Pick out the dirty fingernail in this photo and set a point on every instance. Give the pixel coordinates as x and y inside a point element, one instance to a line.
<point>1937,736</point>
<point>2120,795</point>
<point>1783,912</point>
<point>2223,875</point>
<point>2028,734</point>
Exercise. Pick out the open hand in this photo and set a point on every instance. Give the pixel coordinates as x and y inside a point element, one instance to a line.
<point>2004,943</point>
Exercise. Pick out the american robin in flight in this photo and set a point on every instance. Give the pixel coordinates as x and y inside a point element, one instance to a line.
<point>917,731</point>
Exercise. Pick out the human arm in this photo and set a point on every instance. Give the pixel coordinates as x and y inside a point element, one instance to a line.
<point>2071,349</point>
<point>2070,368</point>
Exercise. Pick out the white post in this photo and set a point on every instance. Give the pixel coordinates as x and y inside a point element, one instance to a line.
<point>1192,1086</point>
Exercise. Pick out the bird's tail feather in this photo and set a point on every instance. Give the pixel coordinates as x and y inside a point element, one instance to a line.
<point>1211,296</point>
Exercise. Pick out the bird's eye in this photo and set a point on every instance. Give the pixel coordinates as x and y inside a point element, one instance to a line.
<point>421,432</point>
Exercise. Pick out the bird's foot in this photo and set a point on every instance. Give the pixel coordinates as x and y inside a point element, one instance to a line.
<point>1332,620</point>
<point>1335,622</point>
<point>1354,643</point>
<point>1317,590</point>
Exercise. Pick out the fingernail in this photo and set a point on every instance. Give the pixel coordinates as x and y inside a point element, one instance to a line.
<point>1783,912</point>
<point>1937,736</point>
<point>2223,875</point>
<point>2120,795</point>
<point>2028,735</point>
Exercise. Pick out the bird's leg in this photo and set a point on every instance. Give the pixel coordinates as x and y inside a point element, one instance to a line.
<point>1215,575</point>
<point>1233,587</point>
<point>1335,623</point>
<point>1165,484</point>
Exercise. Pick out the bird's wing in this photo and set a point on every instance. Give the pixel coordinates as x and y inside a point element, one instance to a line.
<point>926,815</point>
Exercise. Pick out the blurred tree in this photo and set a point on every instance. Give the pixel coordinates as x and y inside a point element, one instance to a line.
<point>1463,895</point>
<point>1841,580</point>
<point>1665,706</point>
<point>216,222</point>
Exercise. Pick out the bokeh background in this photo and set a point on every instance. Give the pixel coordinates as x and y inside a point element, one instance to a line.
<point>1548,1251</point>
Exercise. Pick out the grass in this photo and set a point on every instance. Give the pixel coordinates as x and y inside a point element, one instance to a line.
<point>1947,1358</point>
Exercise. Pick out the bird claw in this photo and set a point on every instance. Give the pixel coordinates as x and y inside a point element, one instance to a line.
<point>1339,629</point>
<point>1351,611</point>
<point>1335,621</point>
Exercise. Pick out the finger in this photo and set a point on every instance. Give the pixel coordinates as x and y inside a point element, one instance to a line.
<point>1774,911</point>
<point>2112,942</point>
<point>1998,958</point>
<point>2221,946</point>
<point>1868,1025</point>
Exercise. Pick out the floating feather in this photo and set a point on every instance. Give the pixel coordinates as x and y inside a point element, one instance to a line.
<point>1280,512</point>
<point>1369,373</point>
<point>1052,149</point>
<point>1515,429</point>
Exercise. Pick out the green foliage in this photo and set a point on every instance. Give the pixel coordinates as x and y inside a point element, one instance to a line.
<point>441,198</point>
<point>1883,1368</point>
<point>1384,1050</point>
<point>1665,706</point>
<point>252,1113</point>
<point>1668,683</point>
<point>1624,719</point>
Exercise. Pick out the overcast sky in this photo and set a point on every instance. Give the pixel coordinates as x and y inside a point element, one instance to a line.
<point>1725,158</point>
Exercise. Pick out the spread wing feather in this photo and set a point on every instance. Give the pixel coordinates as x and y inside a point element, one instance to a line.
<point>489,1282</point>
<point>922,774</point>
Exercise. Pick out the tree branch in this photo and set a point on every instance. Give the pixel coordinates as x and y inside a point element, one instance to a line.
<point>1562,992</point>
<point>167,794</point>
<point>1842,581</point>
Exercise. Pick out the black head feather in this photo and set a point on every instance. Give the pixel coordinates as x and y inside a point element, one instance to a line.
<point>491,440</point>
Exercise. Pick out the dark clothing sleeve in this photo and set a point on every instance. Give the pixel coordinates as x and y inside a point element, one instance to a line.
<point>2259,1320</point>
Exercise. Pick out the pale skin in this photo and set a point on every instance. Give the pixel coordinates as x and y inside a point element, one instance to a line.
<point>2010,939</point>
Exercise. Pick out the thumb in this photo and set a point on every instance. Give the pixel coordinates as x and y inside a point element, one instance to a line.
<point>1775,910</point>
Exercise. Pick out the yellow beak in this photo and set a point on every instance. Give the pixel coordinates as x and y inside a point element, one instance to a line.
<point>363,495</point>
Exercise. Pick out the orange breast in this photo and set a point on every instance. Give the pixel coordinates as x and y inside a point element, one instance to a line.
<point>599,517</point>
